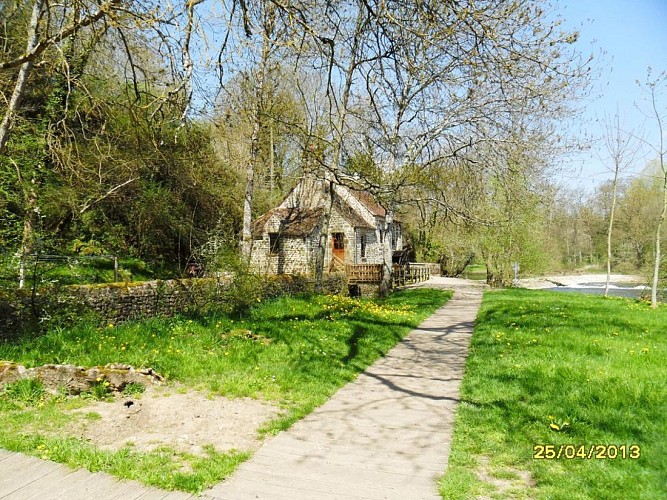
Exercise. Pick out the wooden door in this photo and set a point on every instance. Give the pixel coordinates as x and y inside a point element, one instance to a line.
<point>338,244</point>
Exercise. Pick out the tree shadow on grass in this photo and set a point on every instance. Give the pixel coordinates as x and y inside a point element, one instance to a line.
<point>352,344</point>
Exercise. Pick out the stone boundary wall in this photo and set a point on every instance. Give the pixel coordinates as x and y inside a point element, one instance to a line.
<point>119,302</point>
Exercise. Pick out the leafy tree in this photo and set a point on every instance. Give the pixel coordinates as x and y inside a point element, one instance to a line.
<point>638,210</point>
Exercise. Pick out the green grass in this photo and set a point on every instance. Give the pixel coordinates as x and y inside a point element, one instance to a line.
<point>75,270</point>
<point>295,352</point>
<point>562,369</point>
<point>475,272</point>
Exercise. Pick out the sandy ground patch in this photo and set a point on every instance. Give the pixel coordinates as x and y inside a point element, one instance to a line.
<point>574,280</point>
<point>185,421</point>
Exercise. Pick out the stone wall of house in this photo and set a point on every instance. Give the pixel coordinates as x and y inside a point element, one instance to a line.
<point>364,290</point>
<point>373,247</point>
<point>295,256</point>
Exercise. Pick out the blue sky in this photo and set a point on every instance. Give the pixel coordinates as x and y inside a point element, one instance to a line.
<point>633,35</point>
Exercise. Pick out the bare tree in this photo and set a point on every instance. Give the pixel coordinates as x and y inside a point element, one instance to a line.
<point>654,87</point>
<point>621,148</point>
<point>266,29</point>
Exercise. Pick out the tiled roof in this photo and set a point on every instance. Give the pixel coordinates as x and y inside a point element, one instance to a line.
<point>349,214</point>
<point>369,202</point>
<point>293,221</point>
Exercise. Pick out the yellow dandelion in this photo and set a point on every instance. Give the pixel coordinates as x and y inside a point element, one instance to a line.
<point>554,426</point>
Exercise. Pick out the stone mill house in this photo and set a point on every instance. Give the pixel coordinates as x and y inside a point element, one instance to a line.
<point>285,239</point>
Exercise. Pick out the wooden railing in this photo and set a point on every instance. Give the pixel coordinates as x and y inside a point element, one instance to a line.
<point>363,273</point>
<point>372,273</point>
<point>413,272</point>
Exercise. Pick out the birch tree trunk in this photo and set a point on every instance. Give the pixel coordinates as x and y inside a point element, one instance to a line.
<point>22,78</point>
<point>658,236</point>
<point>5,127</point>
<point>387,256</point>
<point>659,117</point>
<point>622,150</point>
<point>609,229</point>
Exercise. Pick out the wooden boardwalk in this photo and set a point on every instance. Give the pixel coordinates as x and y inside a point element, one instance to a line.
<point>29,478</point>
<point>386,435</point>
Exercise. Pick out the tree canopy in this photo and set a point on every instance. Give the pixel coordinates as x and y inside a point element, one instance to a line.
<point>147,129</point>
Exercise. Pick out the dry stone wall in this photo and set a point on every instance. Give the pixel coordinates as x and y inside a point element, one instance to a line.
<point>119,302</point>
<point>127,301</point>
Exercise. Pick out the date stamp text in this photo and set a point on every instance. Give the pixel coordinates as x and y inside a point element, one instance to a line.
<point>586,451</point>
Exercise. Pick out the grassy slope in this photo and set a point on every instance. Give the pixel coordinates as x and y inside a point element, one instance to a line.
<point>563,369</point>
<point>293,351</point>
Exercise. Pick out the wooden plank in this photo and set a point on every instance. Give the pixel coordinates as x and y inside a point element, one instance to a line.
<point>85,490</point>
<point>13,465</point>
<point>77,477</point>
<point>364,273</point>
<point>24,473</point>
<point>157,494</point>
<point>4,455</point>
<point>121,490</point>
<point>177,495</point>
<point>40,485</point>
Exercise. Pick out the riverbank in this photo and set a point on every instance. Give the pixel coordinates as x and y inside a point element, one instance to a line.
<point>582,281</point>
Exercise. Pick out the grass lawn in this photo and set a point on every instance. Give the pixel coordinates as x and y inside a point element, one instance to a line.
<point>551,375</point>
<point>295,352</point>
